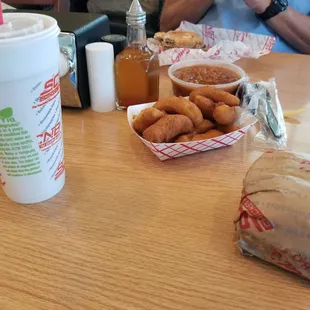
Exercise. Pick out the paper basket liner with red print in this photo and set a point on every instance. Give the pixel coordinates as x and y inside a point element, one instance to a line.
<point>221,44</point>
<point>165,151</point>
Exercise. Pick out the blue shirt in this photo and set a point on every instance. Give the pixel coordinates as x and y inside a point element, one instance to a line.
<point>235,14</point>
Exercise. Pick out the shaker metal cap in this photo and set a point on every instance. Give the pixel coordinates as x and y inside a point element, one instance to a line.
<point>136,15</point>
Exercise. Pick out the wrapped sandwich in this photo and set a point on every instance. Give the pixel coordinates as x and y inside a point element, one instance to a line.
<point>273,221</point>
<point>179,39</point>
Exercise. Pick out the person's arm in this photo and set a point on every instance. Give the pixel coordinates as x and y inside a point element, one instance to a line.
<point>175,11</point>
<point>291,25</point>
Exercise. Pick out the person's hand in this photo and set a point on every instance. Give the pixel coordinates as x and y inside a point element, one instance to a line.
<point>259,6</point>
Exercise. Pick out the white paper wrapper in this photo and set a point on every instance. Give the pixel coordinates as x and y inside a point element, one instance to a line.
<point>223,44</point>
<point>166,151</point>
<point>273,221</point>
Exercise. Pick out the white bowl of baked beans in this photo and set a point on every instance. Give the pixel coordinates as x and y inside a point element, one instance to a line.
<point>188,75</point>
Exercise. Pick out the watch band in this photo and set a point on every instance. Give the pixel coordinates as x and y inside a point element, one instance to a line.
<point>275,7</point>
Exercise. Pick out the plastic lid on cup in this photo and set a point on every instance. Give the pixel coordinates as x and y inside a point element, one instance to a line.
<point>19,26</point>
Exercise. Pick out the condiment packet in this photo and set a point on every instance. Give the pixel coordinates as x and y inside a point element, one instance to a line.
<point>221,44</point>
<point>261,100</point>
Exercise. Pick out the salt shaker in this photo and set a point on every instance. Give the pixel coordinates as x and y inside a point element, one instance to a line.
<point>100,67</point>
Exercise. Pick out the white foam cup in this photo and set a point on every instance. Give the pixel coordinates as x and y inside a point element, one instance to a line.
<point>31,136</point>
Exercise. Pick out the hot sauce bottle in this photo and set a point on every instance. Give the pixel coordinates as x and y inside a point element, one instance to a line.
<point>137,68</point>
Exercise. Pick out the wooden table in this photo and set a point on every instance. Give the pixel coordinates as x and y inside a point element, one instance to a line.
<point>131,232</point>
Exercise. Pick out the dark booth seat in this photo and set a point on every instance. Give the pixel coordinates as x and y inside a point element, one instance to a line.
<point>118,19</point>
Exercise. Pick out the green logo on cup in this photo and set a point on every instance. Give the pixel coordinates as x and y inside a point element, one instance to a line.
<point>6,115</point>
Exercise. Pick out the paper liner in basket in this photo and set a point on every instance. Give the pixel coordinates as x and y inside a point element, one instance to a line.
<point>166,151</point>
<point>222,44</point>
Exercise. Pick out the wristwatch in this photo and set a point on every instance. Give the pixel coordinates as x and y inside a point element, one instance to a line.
<point>276,7</point>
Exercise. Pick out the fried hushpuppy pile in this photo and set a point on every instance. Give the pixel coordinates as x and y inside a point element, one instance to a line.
<point>167,128</point>
<point>147,118</point>
<point>180,105</point>
<point>209,113</point>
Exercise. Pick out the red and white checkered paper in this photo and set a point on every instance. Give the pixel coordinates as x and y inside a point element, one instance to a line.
<point>223,44</point>
<point>165,151</point>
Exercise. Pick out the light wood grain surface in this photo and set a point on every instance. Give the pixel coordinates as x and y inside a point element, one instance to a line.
<point>129,232</point>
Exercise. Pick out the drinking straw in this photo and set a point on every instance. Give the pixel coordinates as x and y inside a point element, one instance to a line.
<point>1,14</point>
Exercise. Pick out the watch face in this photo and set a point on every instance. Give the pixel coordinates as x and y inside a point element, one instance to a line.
<point>283,3</point>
